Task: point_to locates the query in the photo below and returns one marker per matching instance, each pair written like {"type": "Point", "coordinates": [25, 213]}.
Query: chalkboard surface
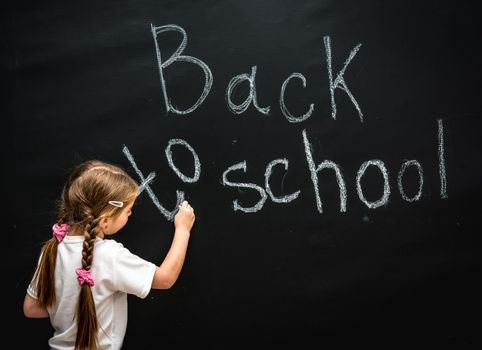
{"type": "Point", "coordinates": [331, 150]}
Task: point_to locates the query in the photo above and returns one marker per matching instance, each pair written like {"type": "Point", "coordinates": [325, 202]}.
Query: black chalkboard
{"type": "Point", "coordinates": [253, 109]}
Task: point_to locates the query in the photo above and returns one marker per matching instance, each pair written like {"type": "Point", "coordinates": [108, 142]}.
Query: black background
{"type": "Point", "coordinates": [82, 80]}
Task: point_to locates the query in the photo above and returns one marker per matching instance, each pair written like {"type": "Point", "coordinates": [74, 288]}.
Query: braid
{"type": "Point", "coordinates": [87, 323]}
{"type": "Point", "coordinates": [90, 233]}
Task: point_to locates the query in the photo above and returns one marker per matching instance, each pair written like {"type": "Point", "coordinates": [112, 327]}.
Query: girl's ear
{"type": "Point", "coordinates": [103, 224]}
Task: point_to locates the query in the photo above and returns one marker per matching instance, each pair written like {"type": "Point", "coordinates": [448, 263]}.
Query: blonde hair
{"type": "Point", "coordinates": [83, 203]}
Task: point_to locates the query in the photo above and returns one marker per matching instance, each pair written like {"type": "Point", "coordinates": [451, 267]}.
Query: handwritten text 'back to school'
{"type": "Point", "coordinates": [335, 81]}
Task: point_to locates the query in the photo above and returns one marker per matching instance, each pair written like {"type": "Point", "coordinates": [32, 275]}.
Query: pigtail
{"type": "Point", "coordinates": [87, 322]}
{"type": "Point", "coordinates": [45, 274]}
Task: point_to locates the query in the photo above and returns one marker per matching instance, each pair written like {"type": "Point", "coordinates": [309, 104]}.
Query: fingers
{"type": "Point", "coordinates": [185, 216]}
{"type": "Point", "coordinates": [185, 205]}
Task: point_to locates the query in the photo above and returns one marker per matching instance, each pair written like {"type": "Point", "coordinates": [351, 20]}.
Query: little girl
{"type": "Point", "coordinates": [82, 280]}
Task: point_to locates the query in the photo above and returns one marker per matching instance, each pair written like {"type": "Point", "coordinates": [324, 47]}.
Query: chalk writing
{"type": "Point", "coordinates": [243, 166]}
{"type": "Point", "coordinates": [176, 56]}
{"type": "Point", "coordinates": [386, 186]}
{"type": "Point", "coordinates": [339, 82]}
{"type": "Point", "coordinates": [284, 110]}
{"type": "Point", "coordinates": [234, 82]}
{"type": "Point", "coordinates": [404, 167]}
{"type": "Point", "coordinates": [326, 164]}
{"type": "Point", "coordinates": [441, 159]}
{"type": "Point", "coordinates": [314, 170]}
{"type": "Point", "coordinates": [145, 186]}
{"type": "Point", "coordinates": [197, 164]}
{"type": "Point", "coordinates": [334, 84]}
{"type": "Point", "coordinates": [267, 175]}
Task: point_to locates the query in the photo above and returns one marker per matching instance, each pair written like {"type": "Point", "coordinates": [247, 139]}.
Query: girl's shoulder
{"type": "Point", "coordinates": [109, 244]}
{"type": "Point", "coordinates": [113, 252]}
{"type": "Point", "coordinates": [108, 251]}
{"type": "Point", "coordinates": [111, 247]}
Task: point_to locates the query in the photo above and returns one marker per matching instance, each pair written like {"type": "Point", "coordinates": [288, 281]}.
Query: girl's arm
{"type": "Point", "coordinates": [32, 308]}
{"type": "Point", "coordinates": [168, 271]}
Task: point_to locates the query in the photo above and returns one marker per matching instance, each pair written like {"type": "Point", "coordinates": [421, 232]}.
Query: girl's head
{"type": "Point", "coordinates": [96, 200]}
{"type": "Point", "coordinates": [95, 195]}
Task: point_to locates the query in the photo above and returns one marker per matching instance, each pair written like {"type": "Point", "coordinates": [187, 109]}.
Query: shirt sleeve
{"type": "Point", "coordinates": [32, 287]}
{"type": "Point", "coordinates": [132, 274]}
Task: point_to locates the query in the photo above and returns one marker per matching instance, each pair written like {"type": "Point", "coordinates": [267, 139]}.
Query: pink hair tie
{"type": "Point", "coordinates": [84, 276]}
{"type": "Point", "coordinates": [59, 231]}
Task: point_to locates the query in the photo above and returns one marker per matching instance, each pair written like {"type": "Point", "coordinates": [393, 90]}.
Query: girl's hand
{"type": "Point", "coordinates": [185, 217]}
